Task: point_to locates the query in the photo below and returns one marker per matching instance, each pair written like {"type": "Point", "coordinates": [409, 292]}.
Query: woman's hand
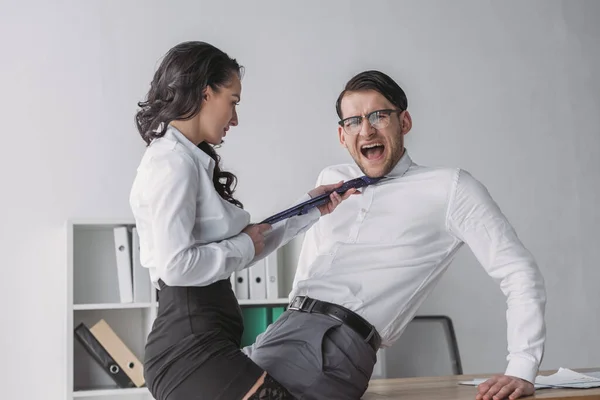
{"type": "Point", "coordinates": [335, 198]}
{"type": "Point", "coordinates": [257, 234]}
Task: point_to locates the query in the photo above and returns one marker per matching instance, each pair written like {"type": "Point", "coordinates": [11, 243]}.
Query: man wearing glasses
{"type": "Point", "coordinates": [364, 270]}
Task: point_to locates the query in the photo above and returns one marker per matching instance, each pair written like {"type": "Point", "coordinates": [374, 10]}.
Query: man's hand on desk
{"type": "Point", "coordinates": [504, 387]}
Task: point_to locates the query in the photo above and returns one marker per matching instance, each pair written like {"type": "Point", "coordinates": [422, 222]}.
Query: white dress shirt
{"type": "Point", "coordinates": [380, 253]}
{"type": "Point", "coordinates": [189, 235]}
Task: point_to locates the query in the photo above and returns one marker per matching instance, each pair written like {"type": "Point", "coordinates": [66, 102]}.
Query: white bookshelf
{"type": "Point", "coordinates": [93, 294]}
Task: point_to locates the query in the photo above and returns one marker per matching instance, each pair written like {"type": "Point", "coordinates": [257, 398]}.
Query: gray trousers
{"type": "Point", "coordinates": [315, 357]}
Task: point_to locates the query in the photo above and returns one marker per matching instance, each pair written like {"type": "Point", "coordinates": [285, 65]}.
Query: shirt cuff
{"type": "Point", "coordinates": [308, 219]}
{"type": "Point", "coordinates": [305, 197]}
{"type": "Point", "coordinates": [313, 214]}
{"type": "Point", "coordinates": [243, 242]}
{"type": "Point", "coordinates": [522, 368]}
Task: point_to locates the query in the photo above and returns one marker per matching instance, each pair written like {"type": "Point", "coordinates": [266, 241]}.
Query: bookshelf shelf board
{"type": "Point", "coordinates": [281, 301]}
{"type": "Point", "coordinates": [110, 306]}
{"type": "Point", "coordinates": [109, 392]}
{"type": "Point", "coordinates": [262, 302]}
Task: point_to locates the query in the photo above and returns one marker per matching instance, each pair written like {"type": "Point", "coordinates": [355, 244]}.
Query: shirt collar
{"type": "Point", "coordinates": [205, 160]}
{"type": "Point", "coordinates": [401, 167]}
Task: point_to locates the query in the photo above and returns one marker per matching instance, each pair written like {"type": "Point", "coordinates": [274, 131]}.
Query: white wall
{"type": "Point", "coordinates": [507, 90]}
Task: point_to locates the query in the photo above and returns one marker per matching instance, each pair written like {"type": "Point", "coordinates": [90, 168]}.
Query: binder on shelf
{"type": "Point", "coordinates": [257, 320]}
{"type": "Point", "coordinates": [241, 284]}
{"type": "Point", "coordinates": [257, 281]}
{"type": "Point", "coordinates": [119, 352]}
{"type": "Point", "coordinates": [141, 277]}
{"type": "Point", "coordinates": [272, 275]}
{"type": "Point", "coordinates": [102, 357]}
{"type": "Point", "coordinates": [123, 258]}
{"type": "Point", "coordinates": [232, 280]}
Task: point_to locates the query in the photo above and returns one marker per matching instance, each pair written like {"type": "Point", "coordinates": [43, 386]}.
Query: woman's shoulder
{"type": "Point", "coordinates": [166, 156]}
{"type": "Point", "coordinates": [164, 149]}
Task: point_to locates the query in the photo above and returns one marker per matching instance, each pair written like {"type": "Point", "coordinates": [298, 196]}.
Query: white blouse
{"type": "Point", "coordinates": [189, 235]}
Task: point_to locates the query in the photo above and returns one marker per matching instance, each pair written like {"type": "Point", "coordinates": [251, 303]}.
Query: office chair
{"type": "Point", "coordinates": [427, 347]}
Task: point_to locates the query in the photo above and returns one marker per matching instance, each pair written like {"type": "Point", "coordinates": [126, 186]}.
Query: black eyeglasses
{"type": "Point", "coordinates": [378, 119]}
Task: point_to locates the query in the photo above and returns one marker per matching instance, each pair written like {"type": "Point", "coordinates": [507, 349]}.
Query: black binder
{"type": "Point", "coordinates": [99, 353]}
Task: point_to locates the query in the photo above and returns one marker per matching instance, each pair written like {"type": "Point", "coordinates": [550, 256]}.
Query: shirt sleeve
{"type": "Point", "coordinates": [172, 195]}
{"type": "Point", "coordinates": [475, 219]}
{"type": "Point", "coordinates": [309, 250]}
{"type": "Point", "coordinates": [284, 231]}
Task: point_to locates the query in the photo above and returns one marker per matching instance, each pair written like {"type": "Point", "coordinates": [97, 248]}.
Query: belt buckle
{"type": "Point", "coordinates": [298, 307]}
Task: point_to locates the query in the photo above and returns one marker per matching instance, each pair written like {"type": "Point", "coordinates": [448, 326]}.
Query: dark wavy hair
{"type": "Point", "coordinates": [176, 93]}
{"type": "Point", "coordinates": [378, 81]}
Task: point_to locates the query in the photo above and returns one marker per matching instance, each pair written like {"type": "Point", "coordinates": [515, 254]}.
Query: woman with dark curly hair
{"type": "Point", "coordinates": [194, 234]}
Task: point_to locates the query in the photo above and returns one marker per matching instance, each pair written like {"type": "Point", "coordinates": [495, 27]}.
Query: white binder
{"type": "Point", "coordinates": [123, 258]}
{"type": "Point", "coordinates": [241, 284]}
{"type": "Point", "coordinates": [141, 277]}
{"type": "Point", "coordinates": [272, 275]}
{"type": "Point", "coordinates": [232, 280]}
{"type": "Point", "coordinates": [257, 281]}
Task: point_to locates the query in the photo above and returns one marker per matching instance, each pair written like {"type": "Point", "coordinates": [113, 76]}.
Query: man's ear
{"type": "Point", "coordinates": [341, 136]}
{"type": "Point", "coordinates": [406, 122]}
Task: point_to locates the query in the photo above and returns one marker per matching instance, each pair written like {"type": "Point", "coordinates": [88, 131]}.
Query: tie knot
{"type": "Point", "coordinates": [359, 182]}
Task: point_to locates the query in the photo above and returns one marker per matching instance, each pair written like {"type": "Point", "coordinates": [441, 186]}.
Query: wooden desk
{"type": "Point", "coordinates": [447, 388]}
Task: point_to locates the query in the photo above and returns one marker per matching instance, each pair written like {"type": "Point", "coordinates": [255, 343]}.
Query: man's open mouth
{"type": "Point", "coordinates": [372, 151]}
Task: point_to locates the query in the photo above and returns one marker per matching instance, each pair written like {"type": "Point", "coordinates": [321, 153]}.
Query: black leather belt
{"type": "Point", "coordinates": [348, 317]}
